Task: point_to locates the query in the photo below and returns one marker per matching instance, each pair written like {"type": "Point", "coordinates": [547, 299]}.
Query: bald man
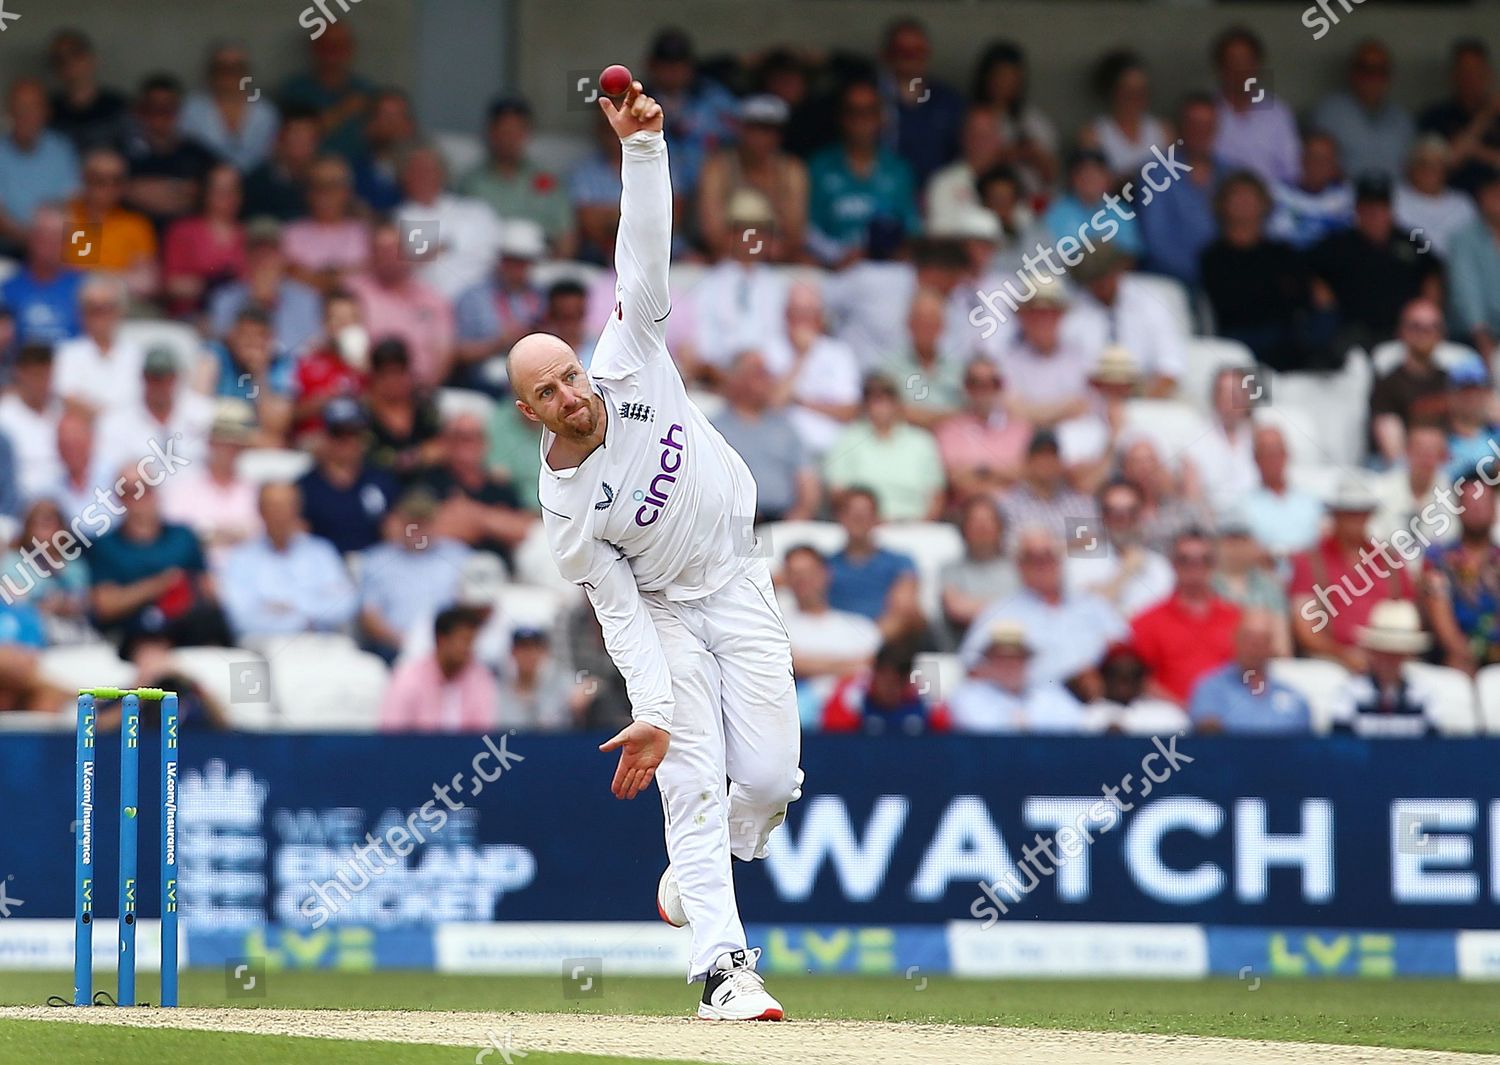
{"type": "Point", "coordinates": [648, 508]}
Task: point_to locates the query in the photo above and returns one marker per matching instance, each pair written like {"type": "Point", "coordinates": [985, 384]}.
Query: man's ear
{"type": "Point", "coordinates": [525, 409]}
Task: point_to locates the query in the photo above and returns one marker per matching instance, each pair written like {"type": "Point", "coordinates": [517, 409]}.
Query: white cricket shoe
{"type": "Point", "coordinates": [669, 900]}
{"type": "Point", "coordinates": [735, 991]}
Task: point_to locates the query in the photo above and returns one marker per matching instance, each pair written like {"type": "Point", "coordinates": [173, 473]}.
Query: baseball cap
{"type": "Point", "coordinates": [1372, 187]}
{"type": "Point", "coordinates": [672, 46]}
{"type": "Point", "coordinates": [751, 206]}
{"type": "Point", "coordinates": [343, 412]}
{"type": "Point", "coordinates": [1009, 635]}
{"type": "Point", "coordinates": [160, 362]}
{"type": "Point", "coordinates": [1470, 373]}
{"type": "Point", "coordinates": [528, 634]}
{"type": "Point", "coordinates": [1043, 440]}
{"type": "Point", "coordinates": [234, 421]}
{"type": "Point", "coordinates": [969, 222]}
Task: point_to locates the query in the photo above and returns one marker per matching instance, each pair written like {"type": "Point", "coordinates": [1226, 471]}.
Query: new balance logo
{"type": "Point", "coordinates": [636, 412]}
{"type": "Point", "coordinates": [609, 497]}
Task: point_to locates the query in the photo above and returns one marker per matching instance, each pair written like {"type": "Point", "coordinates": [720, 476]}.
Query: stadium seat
{"type": "Point", "coordinates": [1169, 292]}
{"type": "Point", "coordinates": [827, 536]}
{"type": "Point", "coordinates": [1172, 425]}
{"type": "Point", "coordinates": [936, 675]}
{"type": "Point", "coordinates": [1487, 685]}
{"type": "Point", "coordinates": [1205, 355]}
{"type": "Point", "coordinates": [1453, 706]}
{"type": "Point", "coordinates": [685, 276]}
{"type": "Point", "coordinates": [1316, 479]}
{"type": "Point", "coordinates": [183, 341]}
{"type": "Point", "coordinates": [532, 563]}
{"type": "Point", "coordinates": [929, 544]}
{"type": "Point", "coordinates": [1386, 357]}
{"type": "Point", "coordinates": [451, 402]}
{"type": "Point", "coordinates": [710, 403]}
{"type": "Point", "coordinates": [327, 687]}
{"type": "Point", "coordinates": [7, 268]}
{"type": "Point", "coordinates": [87, 665]}
{"type": "Point", "coordinates": [271, 465]}
{"type": "Point", "coordinates": [461, 152]}
{"type": "Point", "coordinates": [549, 272]}
{"type": "Point", "coordinates": [531, 606]}
{"type": "Point", "coordinates": [238, 679]}
{"type": "Point", "coordinates": [1317, 680]}
{"type": "Point", "coordinates": [37, 721]}
{"type": "Point", "coordinates": [1300, 428]}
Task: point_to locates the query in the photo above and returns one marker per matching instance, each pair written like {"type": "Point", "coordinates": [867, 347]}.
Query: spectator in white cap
{"type": "Point", "coordinates": [757, 162]}
{"type": "Point", "coordinates": [1384, 701]}
{"type": "Point", "coordinates": [1337, 583]}
{"type": "Point", "coordinates": [492, 315]}
{"type": "Point", "coordinates": [1089, 441]}
{"type": "Point", "coordinates": [1000, 696]}
{"type": "Point", "coordinates": [1114, 308]}
{"type": "Point", "coordinates": [741, 300]}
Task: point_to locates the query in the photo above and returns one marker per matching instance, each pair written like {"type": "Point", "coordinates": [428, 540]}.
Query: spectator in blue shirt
{"type": "Point", "coordinates": [699, 111]}
{"type": "Point", "coordinates": [43, 295]}
{"type": "Point", "coordinates": [858, 186]}
{"type": "Point", "coordinates": [287, 581]}
{"type": "Point", "coordinates": [1179, 222]}
{"type": "Point", "coordinates": [498, 311]}
{"type": "Point", "coordinates": [37, 166]}
{"type": "Point", "coordinates": [1241, 697]}
{"type": "Point", "coordinates": [149, 574]}
{"type": "Point", "coordinates": [869, 580]}
{"type": "Point", "coordinates": [1474, 270]}
{"type": "Point", "coordinates": [332, 89]}
{"type": "Point", "coordinates": [409, 577]}
{"type": "Point", "coordinates": [924, 115]}
{"type": "Point", "coordinates": [1082, 212]}
{"type": "Point", "coordinates": [344, 498]}
{"type": "Point", "coordinates": [295, 309]}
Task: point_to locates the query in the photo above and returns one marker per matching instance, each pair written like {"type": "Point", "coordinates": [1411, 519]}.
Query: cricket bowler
{"type": "Point", "coordinates": [647, 507]}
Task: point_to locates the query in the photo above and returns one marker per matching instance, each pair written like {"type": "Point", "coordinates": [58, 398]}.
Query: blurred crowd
{"type": "Point", "coordinates": [853, 235]}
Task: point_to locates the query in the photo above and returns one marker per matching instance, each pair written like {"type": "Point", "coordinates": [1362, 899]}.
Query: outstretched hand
{"type": "Point", "coordinates": [644, 746]}
{"type": "Point", "coordinates": [637, 112]}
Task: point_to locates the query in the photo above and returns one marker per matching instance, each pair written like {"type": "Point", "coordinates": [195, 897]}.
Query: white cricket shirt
{"type": "Point", "coordinates": [664, 504]}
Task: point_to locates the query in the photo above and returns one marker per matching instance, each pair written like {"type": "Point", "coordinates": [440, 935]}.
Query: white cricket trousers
{"type": "Point", "coordinates": [736, 718]}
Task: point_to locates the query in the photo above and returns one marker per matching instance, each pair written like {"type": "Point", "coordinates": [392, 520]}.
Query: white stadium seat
{"type": "Point", "coordinates": [273, 465]}
{"type": "Point", "coordinates": [549, 272]}
{"type": "Point", "coordinates": [531, 606]}
{"type": "Point", "coordinates": [326, 686]}
{"type": "Point", "coordinates": [461, 152]}
{"type": "Point", "coordinates": [1487, 684]}
{"type": "Point", "coordinates": [236, 678]}
{"type": "Point", "coordinates": [1316, 680]}
{"type": "Point", "coordinates": [936, 675]}
{"type": "Point", "coordinates": [533, 564]}
{"type": "Point", "coordinates": [38, 721]}
{"type": "Point", "coordinates": [1386, 357]}
{"type": "Point", "coordinates": [931, 545]}
{"type": "Point", "coordinates": [827, 536]}
{"type": "Point", "coordinates": [1173, 426]}
{"type": "Point", "coordinates": [1171, 294]}
{"type": "Point", "coordinates": [183, 340]}
{"type": "Point", "coordinates": [87, 665]}
{"type": "Point", "coordinates": [1205, 355]}
{"type": "Point", "coordinates": [1453, 704]}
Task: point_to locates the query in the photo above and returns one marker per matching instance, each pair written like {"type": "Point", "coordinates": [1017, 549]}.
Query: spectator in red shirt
{"type": "Point", "coordinates": [337, 366]}
{"type": "Point", "coordinates": [885, 701]}
{"type": "Point", "coordinates": [1191, 632]}
{"type": "Point", "coordinates": [1336, 584]}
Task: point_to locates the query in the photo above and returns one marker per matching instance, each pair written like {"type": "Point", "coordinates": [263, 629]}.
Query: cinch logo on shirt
{"type": "Point", "coordinates": [661, 484]}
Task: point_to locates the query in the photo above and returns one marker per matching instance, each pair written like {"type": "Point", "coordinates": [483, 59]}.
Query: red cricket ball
{"type": "Point", "coordinates": [615, 79]}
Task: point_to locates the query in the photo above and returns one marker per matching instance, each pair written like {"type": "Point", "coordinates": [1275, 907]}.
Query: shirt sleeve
{"type": "Point", "coordinates": [636, 332]}
{"type": "Point", "coordinates": [630, 635]}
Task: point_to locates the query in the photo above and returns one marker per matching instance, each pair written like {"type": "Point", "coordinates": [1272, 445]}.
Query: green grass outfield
{"type": "Point", "coordinates": [1413, 1014]}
